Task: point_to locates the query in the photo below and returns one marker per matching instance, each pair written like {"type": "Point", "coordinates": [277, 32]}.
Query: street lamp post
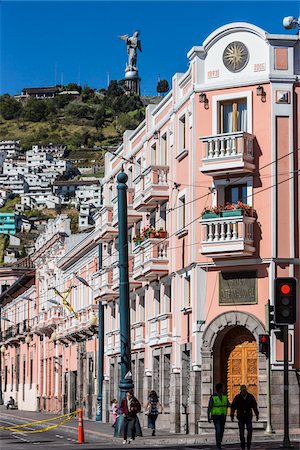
{"type": "Point", "coordinates": [125, 350]}
{"type": "Point", "coordinates": [100, 342]}
{"type": "Point", "coordinates": [1, 394]}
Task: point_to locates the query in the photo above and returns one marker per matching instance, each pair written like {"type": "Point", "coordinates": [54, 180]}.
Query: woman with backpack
{"type": "Point", "coordinates": [152, 406]}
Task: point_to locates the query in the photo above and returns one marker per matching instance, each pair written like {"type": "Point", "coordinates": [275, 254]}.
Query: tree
{"type": "Point", "coordinates": [10, 108]}
{"type": "Point", "coordinates": [162, 87]}
{"type": "Point", "coordinates": [79, 110]}
{"type": "Point", "coordinates": [35, 110]}
{"type": "Point", "coordinates": [73, 87]}
{"type": "Point", "coordinates": [99, 118]}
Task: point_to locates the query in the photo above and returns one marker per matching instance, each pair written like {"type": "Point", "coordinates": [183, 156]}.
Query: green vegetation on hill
{"type": "Point", "coordinates": [10, 204]}
{"type": "Point", "coordinates": [3, 245]}
{"type": "Point", "coordinates": [94, 118]}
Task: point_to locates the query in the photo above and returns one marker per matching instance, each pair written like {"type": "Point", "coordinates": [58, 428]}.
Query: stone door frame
{"type": "Point", "coordinates": [218, 324]}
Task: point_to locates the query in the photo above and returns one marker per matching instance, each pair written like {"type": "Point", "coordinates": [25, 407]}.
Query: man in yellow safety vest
{"type": "Point", "coordinates": [217, 411]}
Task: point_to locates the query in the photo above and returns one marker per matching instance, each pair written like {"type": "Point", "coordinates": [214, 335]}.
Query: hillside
{"type": "Point", "coordinates": [91, 119]}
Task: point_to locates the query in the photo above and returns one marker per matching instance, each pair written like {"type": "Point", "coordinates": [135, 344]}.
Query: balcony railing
{"type": "Point", "coordinates": [228, 236]}
{"type": "Point", "coordinates": [228, 153]}
{"type": "Point", "coordinates": [151, 259]}
{"type": "Point", "coordinates": [151, 188]}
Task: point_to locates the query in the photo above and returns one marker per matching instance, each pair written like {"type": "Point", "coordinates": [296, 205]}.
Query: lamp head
{"type": "Point", "coordinates": [290, 22]}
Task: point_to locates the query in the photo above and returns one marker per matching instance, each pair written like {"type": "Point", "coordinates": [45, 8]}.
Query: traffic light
{"type": "Point", "coordinates": [264, 344]}
{"type": "Point", "coordinates": [285, 301]}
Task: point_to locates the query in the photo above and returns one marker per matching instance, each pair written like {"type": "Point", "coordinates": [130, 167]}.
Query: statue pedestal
{"type": "Point", "coordinates": [132, 82]}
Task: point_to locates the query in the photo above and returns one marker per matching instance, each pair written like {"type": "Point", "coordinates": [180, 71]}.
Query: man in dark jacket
{"type": "Point", "coordinates": [243, 404]}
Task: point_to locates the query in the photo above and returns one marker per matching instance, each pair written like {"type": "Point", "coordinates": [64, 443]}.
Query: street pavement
{"type": "Point", "coordinates": [100, 436]}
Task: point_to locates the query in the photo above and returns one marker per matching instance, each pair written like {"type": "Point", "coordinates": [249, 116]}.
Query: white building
{"type": "Point", "coordinates": [37, 157]}
{"type": "Point", "coordinates": [12, 147]}
{"type": "Point", "coordinates": [15, 168]}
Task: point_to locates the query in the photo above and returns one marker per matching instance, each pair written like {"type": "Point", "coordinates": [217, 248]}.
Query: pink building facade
{"type": "Point", "coordinates": [201, 269]}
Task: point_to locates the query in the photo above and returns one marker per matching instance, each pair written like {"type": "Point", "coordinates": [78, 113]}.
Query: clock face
{"type": "Point", "coordinates": [235, 56]}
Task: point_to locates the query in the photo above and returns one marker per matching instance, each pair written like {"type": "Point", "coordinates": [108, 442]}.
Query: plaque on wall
{"type": "Point", "coordinates": [238, 288]}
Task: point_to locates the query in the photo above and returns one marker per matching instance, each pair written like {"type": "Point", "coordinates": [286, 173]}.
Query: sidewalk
{"type": "Point", "coordinates": [103, 432]}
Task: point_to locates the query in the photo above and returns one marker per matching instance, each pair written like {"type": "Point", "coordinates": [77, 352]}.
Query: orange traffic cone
{"type": "Point", "coordinates": [80, 428]}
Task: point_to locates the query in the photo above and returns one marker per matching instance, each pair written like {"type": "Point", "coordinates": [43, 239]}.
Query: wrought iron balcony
{"type": "Point", "coordinates": [151, 259]}
{"type": "Point", "coordinates": [229, 153]}
{"type": "Point", "coordinates": [151, 188]}
{"type": "Point", "coordinates": [228, 236]}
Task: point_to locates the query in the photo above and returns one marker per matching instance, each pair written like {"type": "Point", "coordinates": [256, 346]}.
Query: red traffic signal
{"type": "Point", "coordinates": [285, 301]}
{"type": "Point", "coordinates": [264, 344]}
{"type": "Point", "coordinates": [285, 289]}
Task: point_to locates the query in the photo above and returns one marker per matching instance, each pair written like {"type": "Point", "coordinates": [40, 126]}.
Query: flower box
{"type": "Point", "coordinates": [210, 215]}
{"type": "Point", "coordinates": [232, 212]}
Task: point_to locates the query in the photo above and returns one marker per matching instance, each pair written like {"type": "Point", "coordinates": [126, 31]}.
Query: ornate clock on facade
{"type": "Point", "coordinates": [235, 56]}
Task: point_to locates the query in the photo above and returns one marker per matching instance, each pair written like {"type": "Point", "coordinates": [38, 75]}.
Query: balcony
{"type": "Point", "coordinates": [138, 334]}
{"type": "Point", "coordinates": [228, 236]}
{"type": "Point", "coordinates": [113, 342]}
{"type": "Point", "coordinates": [133, 216]}
{"type": "Point", "coordinates": [151, 188]}
{"type": "Point", "coordinates": [106, 230]}
{"type": "Point", "coordinates": [151, 259]}
{"type": "Point", "coordinates": [160, 329]}
{"type": "Point", "coordinates": [71, 329]}
{"type": "Point", "coordinates": [230, 153]}
{"type": "Point", "coordinates": [46, 321]}
{"type": "Point", "coordinates": [104, 284]}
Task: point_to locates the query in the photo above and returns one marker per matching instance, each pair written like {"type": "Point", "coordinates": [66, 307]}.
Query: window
{"type": "Point", "coordinates": [187, 291]}
{"type": "Point", "coordinates": [157, 303]}
{"type": "Point", "coordinates": [164, 149]}
{"type": "Point", "coordinates": [130, 177]}
{"type": "Point", "coordinates": [153, 154]}
{"type": "Point", "coordinates": [182, 212]}
{"type": "Point", "coordinates": [138, 167]}
{"type": "Point", "coordinates": [31, 370]}
{"type": "Point", "coordinates": [12, 378]}
{"type": "Point", "coordinates": [152, 219]}
{"type": "Point", "coordinates": [167, 298]}
{"type": "Point", "coordinates": [182, 133]}
{"type": "Point", "coordinates": [234, 194]}
{"type": "Point", "coordinates": [133, 310]}
{"type": "Point", "coordinates": [163, 216]}
{"type": "Point", "coordinates": [233, 116]}
{"type": "Point", "coordinates": [141, 308]}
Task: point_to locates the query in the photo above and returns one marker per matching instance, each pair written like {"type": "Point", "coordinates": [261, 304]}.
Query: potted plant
{"type": "Point", "coordinates": [212, 212]}
{"type": "Point", "coordinates": [162, 233]}
{"type": "Point", "coordinates": [137, 240]}
{"type": "Point", "coordinates": [236, 209]}
{"type": "Point", "coordinates": [152, 233]}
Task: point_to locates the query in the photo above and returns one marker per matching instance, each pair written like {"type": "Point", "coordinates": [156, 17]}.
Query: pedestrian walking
{"type": "Point", "coordinates": [217, 411]}
{"type": "Point", "coordinates": [152, 406]}
{"type": "Point", "coordinates": [243, 403]}
{"type": "Point", "coordinates": [129, 408]}
{"type": "Point", "coordinates": [114, 411]}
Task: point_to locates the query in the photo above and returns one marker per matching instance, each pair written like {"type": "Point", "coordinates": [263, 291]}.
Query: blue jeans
{"type": "Point", "coordinates": [219, 423]}
{"type": "Point", "coordinates": [245, 421]}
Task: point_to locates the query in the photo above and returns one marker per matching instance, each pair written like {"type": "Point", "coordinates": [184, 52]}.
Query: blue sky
{"type": "Point", "coordinates": [41, 39]}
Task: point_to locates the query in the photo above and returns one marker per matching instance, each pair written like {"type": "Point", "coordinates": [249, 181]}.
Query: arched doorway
{"type": "Point", "coordinates": [236, 360]}
{"type": "Point", "coordinates": [220, 343]}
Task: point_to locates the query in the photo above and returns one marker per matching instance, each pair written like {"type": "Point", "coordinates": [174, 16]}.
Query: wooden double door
{"type": "Point", "coordinates": [242, 369]}
{"type": "Point", "coordinates": [236, 361]}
